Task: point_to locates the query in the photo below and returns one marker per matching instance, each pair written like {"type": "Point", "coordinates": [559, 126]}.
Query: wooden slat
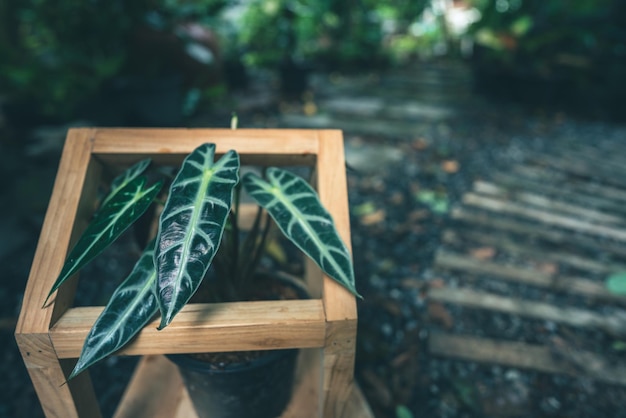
{"type": "Point", "coordinates": [47, 372]}
{"type": "Point", "coordinates": [573, 223]}
{"type": "Point", "coordinates": [270, 147]}
{"type": "Point", "coordinates": [579, 168]}
{"type": "Point", "coordinates": [532, 230]}
{"type": "Point", "coordinates": [307, 386]}
{"type": "Point", "coordinates": [356, 405]}
{"type": "Point", "coordinates": [570, 192]}
{"type": "Point", "coordinates": [594, 159]}
{"type": "Point", "coordinates": [538, 253]}
{"type": "Point", "coordinates": [536, 310]}
{"type": "Point", "coordinates": [558, 189]}
{"type": "Point", "coordinates": [156, 390]}
{"type": "Point", "coordinates": [543, 202]}
{"type": "Point", "coordinates": [333, 191]}
{"type": "Point", "coordinates": [339, 304]}
{"type": "Point", "coordinates": [216, 327]}
{"type": "Point", "coordinates": [494, 270]}
{"type": "Point", "coordinates": [58, 398]}
{"type": "Point", "coordinates": [56, 234]}
{"type": "Point", "coordinates": [527, 356]}
{"type": "Point", "coordinates": [545, 174]}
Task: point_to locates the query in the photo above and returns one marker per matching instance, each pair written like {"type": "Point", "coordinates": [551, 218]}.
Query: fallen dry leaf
{"type": "Point", "coordinates": [483, 253]}
{"type": "Point", "coordinates": [439, 314]}
{"type": "Point", "coordinates": [397, 198]}
{"type": "Point", "coordinates": [391, 306]}
{"type": "Point", "coordinates": [403, 358]}
{"type": "Point", "coordinates": [420, 144]}
{"type": "Point", "coordinates": [412, 283]}
{"type": "Point", "coordinates": [548, 268]}
{"type": "Point", "coordinates": [373, 218]}
{"type": "Point", "coordinates": [450, 166]}
{"type": "Point", "coordinates": [418, 215]}
{"type": "Point", "coordinates": [309, 108]}
{"type": "Point", "coordinates": [437, 284]}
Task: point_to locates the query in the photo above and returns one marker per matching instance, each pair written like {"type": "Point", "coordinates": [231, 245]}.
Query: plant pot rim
{"type": "Point", "coordinates": [188, 362]}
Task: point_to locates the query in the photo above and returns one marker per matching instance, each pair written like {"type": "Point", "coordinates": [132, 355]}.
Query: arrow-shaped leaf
{"type": "Point", "coordinates": [126, 177]}
{"type": "Point", "coordinates": [130, 308]}
{"type": "Point", "coordinates": [191, 226]}
{"type": "Point", "coordinates": [298, 212]}
{"type": "Point", "coordinates": [109, 222]}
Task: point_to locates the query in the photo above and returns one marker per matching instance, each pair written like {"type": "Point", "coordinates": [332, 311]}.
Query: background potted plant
{"type": "Point", "coordinates": [202, 208]}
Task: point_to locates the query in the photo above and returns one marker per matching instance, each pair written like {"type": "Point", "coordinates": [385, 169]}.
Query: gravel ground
{"type": "Point", "coordinates": [401, 189]}
{"type": "Point", "coordinates": [394, 244]}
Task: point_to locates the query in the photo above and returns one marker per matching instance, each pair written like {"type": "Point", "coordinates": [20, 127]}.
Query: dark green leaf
{"type": "Point", "coordinates": [126, 177]}
{"type": "Point", "coordinates": [108, 224]}
{"type": "Point", "coordinates": [298, 212]}
{"type": "Point", "coordinates": [130, 308]}
{"type": "Point", "coordinates": [191, 226]}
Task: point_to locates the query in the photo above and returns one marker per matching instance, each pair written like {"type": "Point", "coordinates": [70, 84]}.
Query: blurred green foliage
{"type": "Point", "coordinates": [546, 31]}
{"type": "Point", "coordinates": [55, 53]}
{"type": "Point", "coordinates": [332, 33]}
{"type": "Point", "coordinates": [578, 45]}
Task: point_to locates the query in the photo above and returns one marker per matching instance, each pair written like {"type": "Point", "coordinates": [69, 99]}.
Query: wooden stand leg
{"type": "Point", "coordinates": [59, 399]}
{"type": "Point", "coordinates": [338, 367]}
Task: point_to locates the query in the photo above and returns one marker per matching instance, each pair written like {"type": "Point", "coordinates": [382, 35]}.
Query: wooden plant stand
{"type": "Point", "coordinates": [50, 338]}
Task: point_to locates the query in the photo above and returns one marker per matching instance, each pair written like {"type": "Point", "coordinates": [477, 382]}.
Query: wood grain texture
{"type": "Point", "coordinates": [55, 234]}
{"type": "Point", "coordinates": [339, 352]}
{"type": "Point", "coordinates": [256, 146]}
{"type": "Point", "coordinates": [48, 374]}
{"type": "Point", "coordinates": [67, 204]}
{"type": "Point", "coordinates": [339, 304]}
{"type": "Point", "coordinates": [155, 391]}
{"type": "Point", "coordinates": [216, 327]}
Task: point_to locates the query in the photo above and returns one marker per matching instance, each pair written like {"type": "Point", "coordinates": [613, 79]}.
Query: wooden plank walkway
{"type": "Point", "coordinates": [554, 224]}
{"type": "Point", "coordinates": [529, 356]}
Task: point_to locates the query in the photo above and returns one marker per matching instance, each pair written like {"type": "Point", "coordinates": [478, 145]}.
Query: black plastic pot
{"type": "Point", "coordinates": [259, 388]}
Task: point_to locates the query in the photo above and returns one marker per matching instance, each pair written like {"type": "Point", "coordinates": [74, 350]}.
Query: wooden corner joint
{"type": "Point", "coordinates": [341, 337]}
{"type": "Point", "coordinates": [37, 350]}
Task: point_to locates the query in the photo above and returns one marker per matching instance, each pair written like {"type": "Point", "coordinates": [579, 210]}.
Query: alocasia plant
{"type": "Point", "coordinates": [201, 208]}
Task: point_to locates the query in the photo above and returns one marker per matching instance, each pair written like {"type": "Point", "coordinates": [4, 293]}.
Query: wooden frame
{"type": "Point", "coordinates": [50, 338]}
